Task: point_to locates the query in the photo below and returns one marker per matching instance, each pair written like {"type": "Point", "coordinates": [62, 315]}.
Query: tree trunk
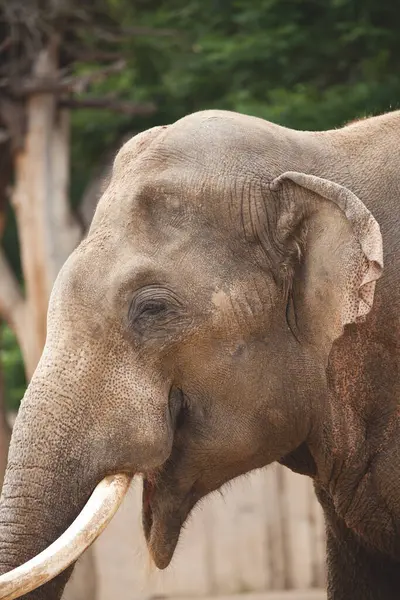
{"type": "Point", "coordinates": [47, 231]}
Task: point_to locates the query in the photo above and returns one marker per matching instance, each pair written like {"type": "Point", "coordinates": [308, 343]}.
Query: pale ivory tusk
{"type": "Point", "coordinates": [91, 521]}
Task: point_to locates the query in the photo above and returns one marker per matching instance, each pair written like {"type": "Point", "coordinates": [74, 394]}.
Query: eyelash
{"type": "Point", "coordinates": [146, 306]}
{"type": "Point", "coordinates": [150, 308]}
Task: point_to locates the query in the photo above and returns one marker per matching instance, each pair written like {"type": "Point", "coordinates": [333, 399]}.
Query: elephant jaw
{"type": "Point", "coordinates": [163, 515]}
{"type": "Point", "coordinates": [92, 520]}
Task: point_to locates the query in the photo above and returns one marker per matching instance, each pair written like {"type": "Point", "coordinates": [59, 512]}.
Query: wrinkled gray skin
{"type": "Point", "coordinates": [197, 333]}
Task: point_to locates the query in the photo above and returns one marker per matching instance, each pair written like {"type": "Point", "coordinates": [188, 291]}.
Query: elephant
{"type": "Point", "coordinates": [227, 309]}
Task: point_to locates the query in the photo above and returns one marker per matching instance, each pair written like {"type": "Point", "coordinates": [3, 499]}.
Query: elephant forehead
{"type": "Point", "coordinates": [154, 205]}
{"type": "Point", "coordinates": [196, 163]}
{"type": "Point", "coordinates": [175, 217]}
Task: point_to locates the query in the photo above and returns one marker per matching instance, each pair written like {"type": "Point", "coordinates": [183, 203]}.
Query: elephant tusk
{"type": "Point", "coordinates": [91, 521]}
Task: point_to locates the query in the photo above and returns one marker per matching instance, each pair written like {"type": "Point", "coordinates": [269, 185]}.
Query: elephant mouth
{"type": "Point", "coordinates": [148, 491]}
{"type": "Point", "coordinates": [163, 515]}
{"type": "Point", "coordinates": [168, 497]}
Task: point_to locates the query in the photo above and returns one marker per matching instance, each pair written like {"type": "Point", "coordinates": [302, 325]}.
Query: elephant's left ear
{"type": "Point", "coordinates": [365, 229]}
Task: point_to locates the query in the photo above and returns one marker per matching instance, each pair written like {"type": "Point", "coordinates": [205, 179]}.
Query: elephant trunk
{"type": "Point", "coordinates": [95, 516]}
{"type": "Point", "coordinates": [48, 480]}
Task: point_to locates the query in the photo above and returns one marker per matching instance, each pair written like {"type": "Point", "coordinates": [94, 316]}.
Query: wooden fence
{"type": "Point", "coordinates": [265, 533]}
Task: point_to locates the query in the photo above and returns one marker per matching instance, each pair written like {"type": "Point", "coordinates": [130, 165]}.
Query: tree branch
{"type": "Point", "coordinates": [106, 103]}
{"type": "Point", "coordinates": [79, 84]}
{"type": "Point", "coordinates": [11, 298]}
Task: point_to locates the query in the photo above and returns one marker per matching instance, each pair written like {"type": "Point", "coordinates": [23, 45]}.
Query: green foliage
{"type": "Point", "coordinates": [308, 64]}
{"type": "Point", "coordinates": [13, 369]}
{"type": "Point", "coordinates": [305, 63]}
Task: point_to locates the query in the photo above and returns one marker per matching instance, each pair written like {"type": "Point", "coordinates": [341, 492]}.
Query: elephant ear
{"type": "Point", "coordinates": [342, 247]}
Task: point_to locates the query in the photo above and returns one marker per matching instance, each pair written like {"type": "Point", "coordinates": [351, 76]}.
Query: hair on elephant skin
{"type": "Point", "coordinates": [236, 302]}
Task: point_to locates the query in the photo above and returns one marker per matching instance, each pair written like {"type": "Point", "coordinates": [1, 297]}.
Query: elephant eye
{"type": "Point", "coordinates": [146, 308]}
{"type": "Point", "coordinates": [151, 307]}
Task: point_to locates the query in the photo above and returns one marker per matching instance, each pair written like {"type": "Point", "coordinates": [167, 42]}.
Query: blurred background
{"type": "Point", "coordinates": [76, 80]}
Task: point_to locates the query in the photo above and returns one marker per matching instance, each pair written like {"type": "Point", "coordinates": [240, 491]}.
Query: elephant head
{"type": "Point", "coordinates": [189, 333]}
